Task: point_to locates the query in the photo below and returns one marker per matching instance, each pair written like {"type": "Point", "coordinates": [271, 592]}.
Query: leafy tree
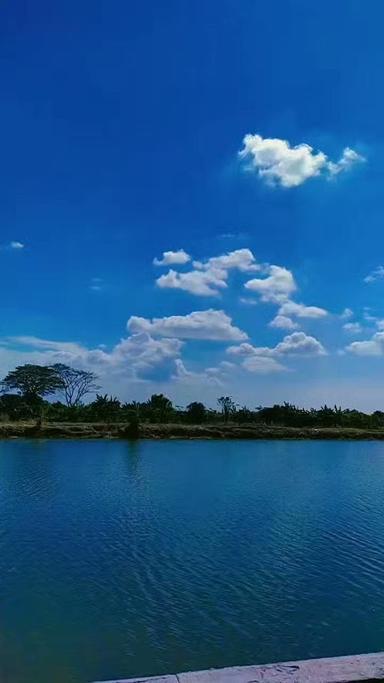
{"type": "Point", "coordinates": [32, 381]}
{"type": "Point", "coordinates": [75, 383]}
{"type": "Point", "coordinates": [104, 408]}
{"type": "Point", "coordinates": [14, 407]}
{"type": "Point", "coordinates": [244, 415]}
{"type": "Point", "coordinates": [196, 413]}
{"type": "Point", "coordinates": [228, 407]}
{"type": "Point", "coordinates": [160, 407]}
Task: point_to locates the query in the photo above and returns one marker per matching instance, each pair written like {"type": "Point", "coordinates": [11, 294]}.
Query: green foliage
{"type": "Point", "coordinates": [160, 408]}
{"type": "Point", "coordinates": [32, 381]}
{"type": "Point", "coordinates": [25, 387]}
{"type": "Point", "coordinates": [104, 408]}
{"type": "Point", "coordinates": [196, 413]}
{"type": "Point", "coordinates": [14, 407]}
{"type": "Point", "coordinates": [227, 405]}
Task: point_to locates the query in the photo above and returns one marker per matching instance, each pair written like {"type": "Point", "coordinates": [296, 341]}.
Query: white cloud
{"type": "Point", "coordinates": [97, 284]}
{"type": "Point", "coordinates": [276, 162]}
{"type": "Point", "coordinates": [376, 274]}
{"type": "Point", "coordinates": [134, 356]}
{"type": "Point", "coordinates": [179, 257]}
{"type": "Point", "coordinates": [353, 328]}
{"type": "Point", "coordinates": [211, 275]}
{"type": "Point", "coordinates": [210, 325]}
{"type": "Point", "coordinates": [196, 282]}
{"type": "Point", "coordinates": [45, 344]}
{"type": "Point", "coordinates": [208, 376]}
{"type": "Point", "coordinates": [369, 347]}
{"type": "Point", "coordinates": [240, 259]}
{"type": "Point", "coordinates": [347, 314]}
{"type": "Point", "coordinates": [247, 349]}
{"type": "Point", "coordinates": [282, 322]}
{"type": "Point", "coordinates": [266, 359]}
{"type": "Point", "coordinates": [12, 246]}
{"type": "Point", "coordinates": [299, 343]}
{"type": "Point", "coordinates": [295, 343]}
{"type": "Point", "coordinates": [146, 353]}
{"type": "Point", "coordinates": [263, 365]}
{"type": "Point", "coordinates": [276, 287]}
{"type": "Point", "coordinates": [226, 365]}
{"type": "Point", "coordinates": [367, 315]}
{"type": "Point", "coordinates": [348, 158]}
{"type": "Point", "coordinates": [301, 311]}
{"type": "Point", "coordinates": [248, 302]}
{"type": "Point", "coordinates": [256, 359]}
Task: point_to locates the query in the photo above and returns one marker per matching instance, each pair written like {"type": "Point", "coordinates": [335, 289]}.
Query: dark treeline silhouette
{"type": "Point", "coordinates": [24, 389]}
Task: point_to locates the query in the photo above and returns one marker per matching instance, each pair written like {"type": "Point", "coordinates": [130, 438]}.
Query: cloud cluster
{"type": "Point", "coordinates": [179, 257]}
{"type": "Point", "coordinates": [208, 277]}
{"type": "Point", "coordinates": [353, 328]}
{"type": "Point", "coordinates": [276, 162]}
{"type": "Point", "coordinates": [265, 359]}
{"type": "Point", "coordinates": [292, 308]}
{"type": "Point", "coordinates": [213, 376]}
{"type": "Point", "coordinates": [276, 287]}
{"type": "Point", "coordinates": [152, 351]}
{"type": "Point", "coordinates": [369, 347]}
{"type": "Point", "coordinates": [209, 325]}
{"type": "Point", "coordinates": [134, 356]}
{"type": "Point", "coordinates": [200, 283]}
{"type": "Point", "coordinates": [347, 314]}
{"type": "Point", "coordinates": [374, 275]}
{"type": "Point", "coordinates": [282, 322]}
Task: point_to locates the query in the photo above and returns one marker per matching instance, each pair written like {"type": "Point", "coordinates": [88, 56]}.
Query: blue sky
{"type": "Point", "coordinates": [123, 131]}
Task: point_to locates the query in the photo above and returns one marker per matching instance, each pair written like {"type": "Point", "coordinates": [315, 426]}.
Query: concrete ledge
{"type": "Point", "coordinates": [350, 669]}
{"type": "Point", "coordinates": [153, 679]}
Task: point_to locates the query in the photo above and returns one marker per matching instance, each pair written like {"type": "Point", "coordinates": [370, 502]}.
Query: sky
{"type": "Point", "coordinates": [192, 197]}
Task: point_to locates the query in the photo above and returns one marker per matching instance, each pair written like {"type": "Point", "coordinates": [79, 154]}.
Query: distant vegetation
{"type": "Point", "coordinates": [24, 391]}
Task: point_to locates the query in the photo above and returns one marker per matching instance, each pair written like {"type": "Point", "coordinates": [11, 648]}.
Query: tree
{"type": "Point", "coordinates": [14, 407]}
{"type": "Point", "coordinates": [104, 408]}
{"type": "Point", "coordinates": [76, 383]}
{"type": "Point", "coordinates": [244, 415]}
{"type": "Point", "coordinates": [196, 412]}
{"type": "Point", "coordinates": [227, 405]}
{"type": "Point", "coordinates": [160, 407]}
{"type": "Point", "coordinates": [32, 381]}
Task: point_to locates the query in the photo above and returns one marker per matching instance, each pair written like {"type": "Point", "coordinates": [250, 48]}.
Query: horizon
{"type": "Point", "coordinates": [188, 210]}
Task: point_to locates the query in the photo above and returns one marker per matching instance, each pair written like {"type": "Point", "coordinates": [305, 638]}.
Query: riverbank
{"type": "Point", "coordinates": [52, 430]}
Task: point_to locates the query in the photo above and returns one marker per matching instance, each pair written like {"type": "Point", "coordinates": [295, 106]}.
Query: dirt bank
{"type": "Point", "coordinates": [178, 431]}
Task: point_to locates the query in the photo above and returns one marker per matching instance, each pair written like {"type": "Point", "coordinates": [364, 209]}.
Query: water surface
{"type": "Point", "coordinates": [119, 560]}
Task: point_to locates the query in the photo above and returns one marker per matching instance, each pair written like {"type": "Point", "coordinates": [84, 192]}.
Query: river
{"type": "Point", "coordinates": [121, 559]}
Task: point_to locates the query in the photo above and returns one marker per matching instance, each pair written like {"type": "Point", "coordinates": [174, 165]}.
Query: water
{"type": "Point", "coordinates": [119, 560]}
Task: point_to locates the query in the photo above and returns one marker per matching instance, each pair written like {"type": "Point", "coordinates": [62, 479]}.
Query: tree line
{"type": "Point", "coordinates": [25, 389]}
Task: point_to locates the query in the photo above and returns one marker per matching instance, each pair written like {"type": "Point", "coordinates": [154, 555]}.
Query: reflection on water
{"type": "Point", "coordinates": [119, 559]}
